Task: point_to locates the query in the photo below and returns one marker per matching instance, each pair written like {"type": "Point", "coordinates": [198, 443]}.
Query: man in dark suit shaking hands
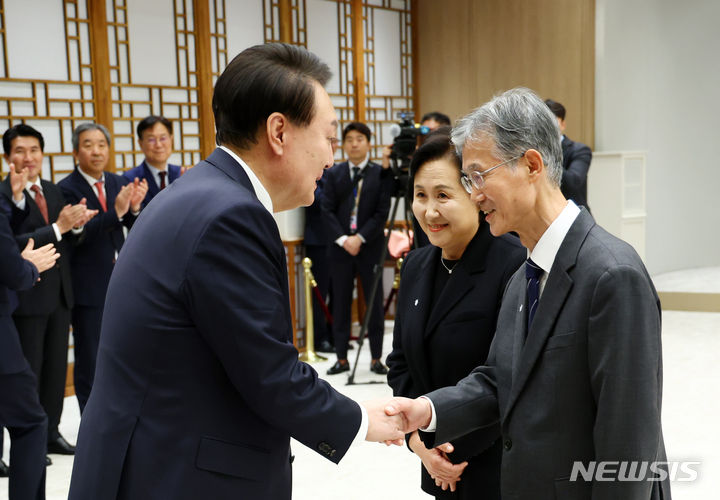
{"type": "Point", "coordinates": [198, 386]}
{"type": "Point", "coordinates": [574, 373]}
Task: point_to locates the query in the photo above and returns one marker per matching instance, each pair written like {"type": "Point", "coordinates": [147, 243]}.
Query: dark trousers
{"type": "Point", "coordinates": [343, 268]}
{"type": "Point", "coordinates": [86, 322]}
{"type": "Point", "coordinates": [44, 341]}
{"type": "Point", "coordinates": [321, 272]}
{"type": "Point", "coordinates": [25, 420]}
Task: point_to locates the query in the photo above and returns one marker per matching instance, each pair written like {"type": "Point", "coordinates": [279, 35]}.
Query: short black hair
{"type": "Point", "coordinates": [21, 130]}
{"type": "Point", "coordinates": [150, 121]}
{"type": "Point", "coordinates": [437, 145]}
{"type": "Point", "coordinates": [261, 80]}
{"type": "Point", "coordinates": [439, 117]}
{"type": "Point", "coordinates": [357, 127]}
{"type": "Point", "coordinates": [557, 108]}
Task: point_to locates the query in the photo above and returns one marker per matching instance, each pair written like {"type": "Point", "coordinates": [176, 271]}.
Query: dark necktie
{"type": "Point", "coordinates": [162, 179]}
{"type": "Point", "coordinates": [353, 210]}
{"type": "Point", "coordinates": [40, 202]}
{"type": "Point", "coordinates": [533, 272]}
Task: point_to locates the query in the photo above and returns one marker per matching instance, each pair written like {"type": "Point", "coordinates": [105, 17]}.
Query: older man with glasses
{"type": "Point", "coordinates": [574, 373]}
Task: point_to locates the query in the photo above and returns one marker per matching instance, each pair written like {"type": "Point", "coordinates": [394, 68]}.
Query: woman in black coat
{"type": "Point", "coordinates": [449, 298]}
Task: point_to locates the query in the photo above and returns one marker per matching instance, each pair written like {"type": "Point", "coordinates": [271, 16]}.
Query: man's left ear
{"type": "Point", "coordinates": [276, 128]}
{"type": "Point", "coordinates": [534, 162]}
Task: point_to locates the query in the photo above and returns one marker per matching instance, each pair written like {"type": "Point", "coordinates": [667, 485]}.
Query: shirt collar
{"type": "Point", "coordinates": [90, 179]}
{"type": "Point", "coordinates": [547, 247]}
{"type": "Point", "coordinates": [262, 195]}
{"type": "Point", "coordinates": [155, 171]}
{"type": "Point", "coordinates": [362, 164]}
{"type": "Point", "coordinates": [29, 184]}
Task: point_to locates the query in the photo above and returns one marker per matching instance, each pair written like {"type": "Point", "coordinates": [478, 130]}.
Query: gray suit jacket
{"type": "Point", "coordinates": [585, 386]}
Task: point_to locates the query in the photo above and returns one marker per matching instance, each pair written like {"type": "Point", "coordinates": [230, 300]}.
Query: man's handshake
{"type": "Point", "coordinates": [391, 419]}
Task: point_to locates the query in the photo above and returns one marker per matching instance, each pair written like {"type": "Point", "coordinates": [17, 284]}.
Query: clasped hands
{"type": "Point", "coordinates": [391, 419]}
{"type": "Point", "coordinates": [352, 244]}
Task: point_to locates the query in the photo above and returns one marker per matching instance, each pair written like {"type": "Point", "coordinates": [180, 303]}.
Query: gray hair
{"type": "Point", "coordinates": [84, 127]}
{"type": "Point", "coordinates": [516, 120]}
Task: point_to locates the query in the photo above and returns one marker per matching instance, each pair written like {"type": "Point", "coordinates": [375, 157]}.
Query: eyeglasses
{"type": "Point", "coordinates": [163, 139]}
{"type": "Point", "coordinates": [476, 178]}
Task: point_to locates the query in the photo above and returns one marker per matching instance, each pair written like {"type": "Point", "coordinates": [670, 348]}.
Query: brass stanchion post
{"type": "Point", "coordinates": [396, 280]}
{"type": "Point", "coordinates": [309, 356]}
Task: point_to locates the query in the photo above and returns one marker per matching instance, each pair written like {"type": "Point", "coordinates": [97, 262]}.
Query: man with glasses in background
{"type": "Point", "coordinates": [155, 136]}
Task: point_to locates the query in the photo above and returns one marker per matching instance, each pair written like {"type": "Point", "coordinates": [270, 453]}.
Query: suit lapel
{"type": "Point", "coordinates": [88, 192]}
{"type": "Point", "coordinates": [111, 189]}
{"type": "Point", "coordinates": [557, 288]}
{"type": "Point", "coordinates": [516, 297]}
{"type": "Point", "coordinates": [54, 203]}
{"type": "Point", "coordinates": [369, 180]}
{"type": "Point", "coordinates": [417, 310]}
{"type": "Point", "coordinates": [344, 183]}
{"type": "Point", "coordinates": [173, 173]}
{"type": "Point", "coordinates": [461, 280]}
{"type": "Point", "coordinates": [34, 215]}
{"type": "Point", "coordinates": [153, 188]}
{"type": "Point", "coordinates": [221, 160]}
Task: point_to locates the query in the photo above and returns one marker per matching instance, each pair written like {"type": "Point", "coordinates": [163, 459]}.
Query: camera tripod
{"type": "Point", "coordinates": [377, 274]}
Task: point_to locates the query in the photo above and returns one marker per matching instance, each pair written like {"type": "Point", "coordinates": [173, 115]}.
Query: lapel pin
{"type": "Point", "coordinates": [416, 302]}
{"type": "Point", "coordinates": [520, 310]}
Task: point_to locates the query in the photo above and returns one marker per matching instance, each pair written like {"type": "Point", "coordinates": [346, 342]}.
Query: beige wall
{"type": "Point", "coordinates": [469, 50]}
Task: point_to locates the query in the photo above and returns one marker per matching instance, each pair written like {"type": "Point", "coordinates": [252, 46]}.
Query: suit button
{"type": "Point", "coordinates": [507, 444]}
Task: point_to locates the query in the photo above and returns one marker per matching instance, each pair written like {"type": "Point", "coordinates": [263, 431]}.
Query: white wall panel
{"type": "Point", "coordinates": [152, 42]}
{"type": "Point", "coordinates": [244, 25]}
{"type": "Point", "coordinates": [322, 37]}
{"type": "Point", "coordinates": [387, 52]}
{"type": "Point", "coordinates": [35, 39]}
{"type": "Point", "coordinates": [656, 87]}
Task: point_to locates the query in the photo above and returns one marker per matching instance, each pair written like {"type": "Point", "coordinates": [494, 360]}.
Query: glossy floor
{"type": "Point", "coordinates": [691, 409]}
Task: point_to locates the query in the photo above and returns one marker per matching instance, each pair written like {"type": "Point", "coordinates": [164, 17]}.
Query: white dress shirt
{"type": "Point", "coordinates": [549, 243]}
{"type": "Point", "coordinates": [262, 194]}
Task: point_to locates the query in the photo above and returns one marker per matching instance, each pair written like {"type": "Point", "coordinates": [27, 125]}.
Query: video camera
{"type": "Point", "coordinates": [405, 135]}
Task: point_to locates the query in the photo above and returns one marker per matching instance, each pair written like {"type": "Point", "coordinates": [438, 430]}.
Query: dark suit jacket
{"type": "Point", "coordinates": [198, 387]}
{"type": "Point", "coordinates": [587, 383]}
{"type": "Point", "coordinates": [372, 210]}
{"type": "Point", "coordinates": [55, 284]}
{"type": "Point", "coordinates": [576, 164]}
{"type": "Point", "coordinates": [93, 259]}
{"type": "Point", "coordinates": [143, 172]}
{"type": "Point", "coordinates": [461, 326]}
{"type": "Point", "coordinates": [16, 273]}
